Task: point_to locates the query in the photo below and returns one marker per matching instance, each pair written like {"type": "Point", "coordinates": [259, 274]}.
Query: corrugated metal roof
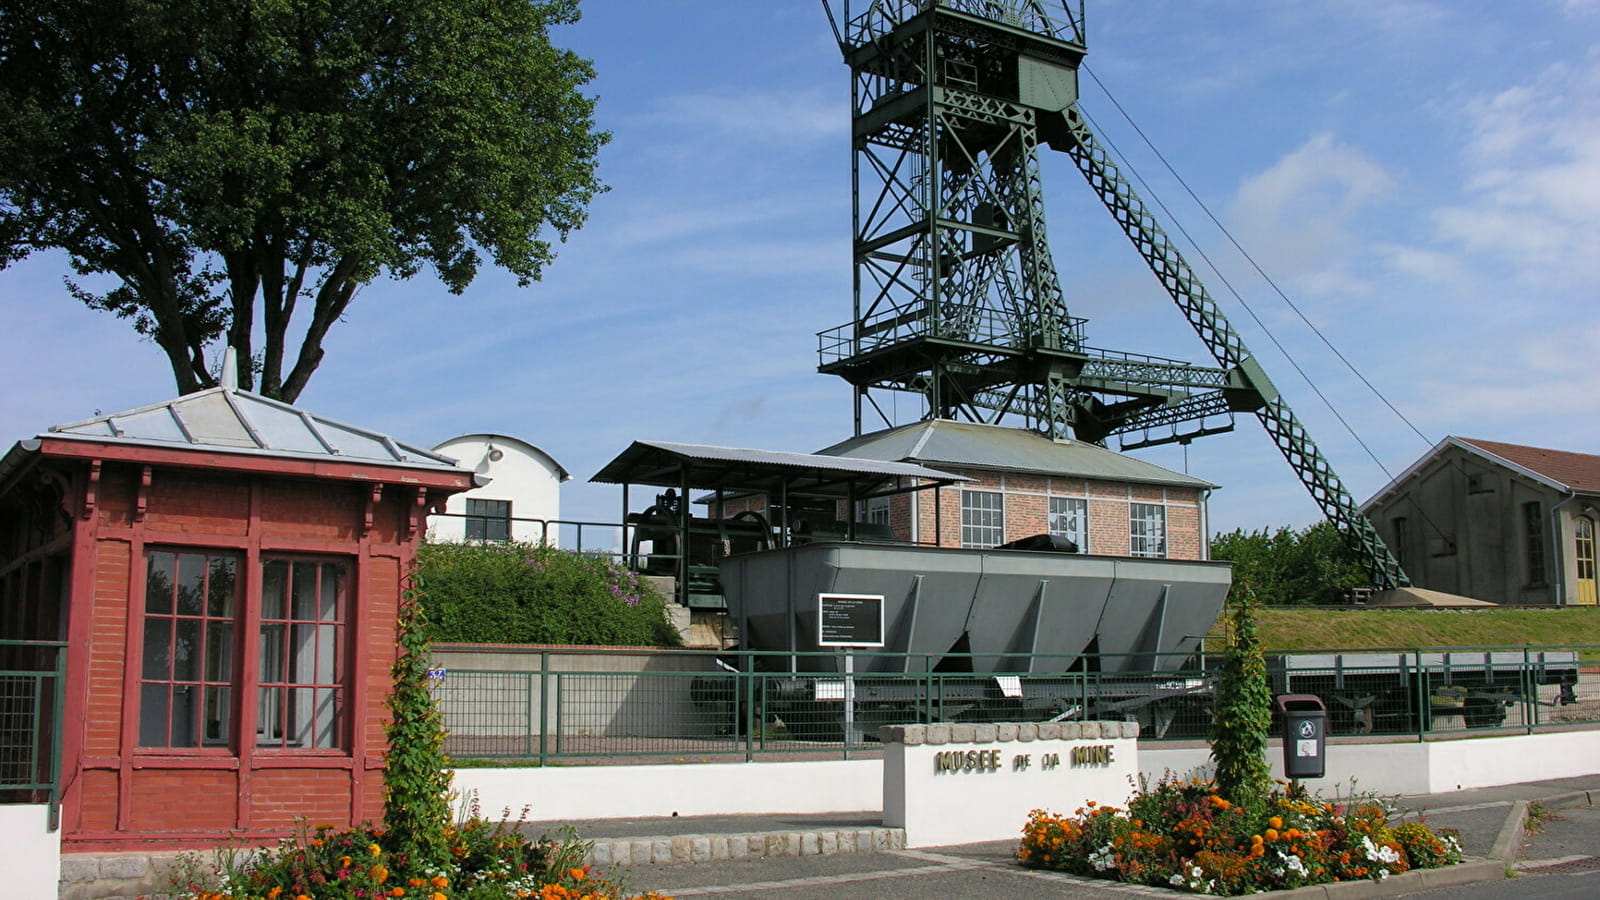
{"type": "Point", "coordinates": [664, 464]}
{"type": "Point", "coordinates": [943, 442]}
{"type": "Point", "coordinates": [234, 421]}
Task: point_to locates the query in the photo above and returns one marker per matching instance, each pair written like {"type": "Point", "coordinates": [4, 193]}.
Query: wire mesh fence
{"type": "Point", "coordinates": [31, 674]}
{"type": "Point", "coordinates": [594, 706]}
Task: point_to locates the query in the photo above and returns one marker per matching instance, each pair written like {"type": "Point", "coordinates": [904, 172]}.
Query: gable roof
{"type": "Point", "coordinates": [227, 420]}
{"type": "Point", "coordinates": [947, 443]}
{"type": "Point", "coordinates": [1562, 470]}
{"type": "Point", "coordinates": [1572, 471]}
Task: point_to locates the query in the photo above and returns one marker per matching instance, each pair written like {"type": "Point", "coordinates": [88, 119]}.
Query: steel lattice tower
{"type": "Point", "coordinates": [956, 297]}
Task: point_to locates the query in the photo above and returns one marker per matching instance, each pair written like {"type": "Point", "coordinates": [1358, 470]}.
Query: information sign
{"type": "Point", "coordinates": [850, 620]}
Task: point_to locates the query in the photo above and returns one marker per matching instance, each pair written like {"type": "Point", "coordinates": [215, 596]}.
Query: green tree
{"type": "Point", "coordinates": [217, 158]}
{"type": "Point", "coordinates": [1243, 719]}
{"type": "Point", "coordinates": [1290, 568]}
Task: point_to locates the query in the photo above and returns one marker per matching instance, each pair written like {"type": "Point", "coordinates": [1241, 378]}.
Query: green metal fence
{"type": "Point", "coordinates": [31, 678]}
{"type": "Point", "coordinates": [576, 705]}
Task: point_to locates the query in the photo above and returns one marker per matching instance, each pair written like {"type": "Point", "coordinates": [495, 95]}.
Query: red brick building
{"type": "Point", "coordinates": [1021, 484]}
{"type": "Point", "coordinates": [225, 571]}
{"type": "Point", "coordinates": [1026, 484]}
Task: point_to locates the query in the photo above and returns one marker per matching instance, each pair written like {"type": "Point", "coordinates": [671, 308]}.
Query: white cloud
{"type": "Point", "coordinates": [776, 117]}
{"type": "Point", "coordinates": [1297, 215]}
{"type": "Point", "coordinates": [1532, 178]}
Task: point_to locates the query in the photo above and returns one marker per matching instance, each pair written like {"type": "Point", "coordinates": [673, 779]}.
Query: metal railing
{"type": "Point", "coordinates": [31, 677]}
{"type": "Point", "coordinates": [579, 705]}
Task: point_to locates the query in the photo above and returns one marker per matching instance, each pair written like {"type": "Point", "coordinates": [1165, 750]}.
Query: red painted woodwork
{"type": "Point", "coordinates": [113, 503]}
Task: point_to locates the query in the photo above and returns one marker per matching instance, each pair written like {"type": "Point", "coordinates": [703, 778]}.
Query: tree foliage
{"type": "Point", "coordinates": [1291, 568]}
{"type": "Point", "coordinates": [416, 776]}
{"type": "Point", "coordinates": [515, 593]}
{"type": "Point", "coordinates": [1243, 720]}
{"type": "Point", "coordinates": [217, 158]}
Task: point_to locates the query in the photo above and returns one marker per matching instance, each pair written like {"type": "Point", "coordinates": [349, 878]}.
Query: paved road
{"type": "Point", "coordinates": [1563, 857]}
{"type": "Point", "coordinates": [1559, 861]}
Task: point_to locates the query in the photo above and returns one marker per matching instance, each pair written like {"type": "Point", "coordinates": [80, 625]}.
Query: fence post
{"type": "Point", "coordinates": [1530, 692]}
{"type": "Point", "coordinates": [1423, 697]}
{"type": "Point", "coordinates": [58, 691]}
{"type": "Point", "coordinates": [747, 689]}
{"type": "Point", "coordinates": [544, 706]}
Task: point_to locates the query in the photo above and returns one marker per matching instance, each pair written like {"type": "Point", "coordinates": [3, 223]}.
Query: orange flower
{"type": "Point", "coordinates": [416, 882]}
{"type": "Point", "coordinates": [344, 862]}
{"type": "Point", "coordinates": [397, 892]}
{"type": "Point", "coordinates": [379, 873]}
{"type": "Point", "coordinates": [577, 874]}
{"type": "Point", "coordinates": [1272, 834]}
{"type": "Point", "coordinates": [440, 881]}
{"type": "Point", "coordinates": [438, 896]}
{"type": "Point", "coordinates": [273, 894]}
{"type": "Point", "coordinates": [1275, 821]}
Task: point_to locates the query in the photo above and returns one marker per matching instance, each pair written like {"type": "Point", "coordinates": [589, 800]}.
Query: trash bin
{"type": "Point", "coordinates": [1305, 721]}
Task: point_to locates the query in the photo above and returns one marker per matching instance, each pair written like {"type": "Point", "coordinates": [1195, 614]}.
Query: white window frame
{"type": "Point", "coordinates": [1147, 530]}
{"type": "Point", "coordinates": [1069, 518]}
{"type": "Point", "coordinates": [983, 516]}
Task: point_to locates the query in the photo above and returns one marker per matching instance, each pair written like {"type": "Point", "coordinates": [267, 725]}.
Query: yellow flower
{"type": "Point", "coordinates": [374, 849]}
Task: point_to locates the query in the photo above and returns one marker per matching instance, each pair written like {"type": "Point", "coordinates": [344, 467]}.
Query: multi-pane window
{"type": "Point", "coordinates": [191, 677]}
{"type": "Point", "coordinates": [301, 654]}
{"type": "Point", "coordinates": [1533, 528]}
{"type": "Point", "coordinates": [1069, 518]}
{"type": "Point", "coordinates": [983, 518]}
{"type": "Point", "coordinates": [875, 510]}
{"type": "Point", "coordinates": [488, 520]}
{"type": "Point", "coordinates": [187, 673]}
{"type": "Point", "coordinates": [1147, 529]}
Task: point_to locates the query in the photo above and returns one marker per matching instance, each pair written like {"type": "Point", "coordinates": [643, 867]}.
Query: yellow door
{"type": "Point", "coordinates": [1584, 551]}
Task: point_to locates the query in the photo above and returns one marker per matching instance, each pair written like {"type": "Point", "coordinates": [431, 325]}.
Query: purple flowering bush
{"type": "Point", "coordinates": [518, 593]}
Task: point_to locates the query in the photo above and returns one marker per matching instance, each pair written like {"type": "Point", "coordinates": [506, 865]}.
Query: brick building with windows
{"type": "Point", "coordinates": [225, 571]}
{"type": "Point", "coordinates": [1022, 484]}
{"type": "Point", "coordinates": [1025, 484]}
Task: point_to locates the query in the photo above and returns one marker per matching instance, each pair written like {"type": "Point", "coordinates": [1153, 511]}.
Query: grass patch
{"type": "Point", "coordinates": [1357, 629]}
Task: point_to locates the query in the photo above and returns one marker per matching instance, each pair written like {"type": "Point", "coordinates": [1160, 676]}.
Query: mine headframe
{"type": "Point", "coordinates": [956, 296]}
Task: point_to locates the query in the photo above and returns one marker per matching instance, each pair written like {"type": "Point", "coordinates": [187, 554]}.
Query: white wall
{"type": "Point", "coordinates": [30, 853]}
{"type": "Point", "coordinates": [524, 474]}
{"type": "Point", "coordinates": [565, 793]}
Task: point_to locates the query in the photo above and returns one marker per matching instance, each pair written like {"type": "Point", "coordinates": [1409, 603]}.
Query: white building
{"type": "Point", "coordinates": [523, 493]}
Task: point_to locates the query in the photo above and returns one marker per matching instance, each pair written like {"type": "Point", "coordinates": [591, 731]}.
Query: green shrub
{"type": "Point", "coordinates": [516, 593]}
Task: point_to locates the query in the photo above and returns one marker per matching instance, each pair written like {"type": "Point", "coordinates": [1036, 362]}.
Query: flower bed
{"type": "Point", "coordinates": [488, 861]}
{"type": "Point", "coordinates": [1183, 835]}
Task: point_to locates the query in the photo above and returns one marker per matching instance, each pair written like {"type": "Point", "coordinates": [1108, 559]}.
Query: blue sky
{"type": "Point", "coordinates": [1422, 178]}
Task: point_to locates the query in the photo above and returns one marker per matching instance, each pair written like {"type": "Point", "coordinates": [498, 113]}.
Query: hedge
{"type": "Point", "coordinates": [517, 593]}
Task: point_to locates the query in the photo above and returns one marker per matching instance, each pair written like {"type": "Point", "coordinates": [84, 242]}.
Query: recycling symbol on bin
{"type": "Point", "coordinates": [1308, 729]}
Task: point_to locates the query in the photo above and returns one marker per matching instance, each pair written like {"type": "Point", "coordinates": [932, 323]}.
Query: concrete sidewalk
{"type": "Point", "coordinates": [738, 856]}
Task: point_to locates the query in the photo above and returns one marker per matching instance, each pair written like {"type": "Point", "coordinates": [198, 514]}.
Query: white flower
{"type": "Point", "coordinates": [1196, 872]}
{"type": "Point", "coordinates": [1175, 880]}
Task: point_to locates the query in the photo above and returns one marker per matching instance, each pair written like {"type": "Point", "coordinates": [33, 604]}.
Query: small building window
{"type": "Point", "coordinates": [1147, 529]}
{"type": "Point", "coordinates": [1398, 526]}
{"type": "Point", "coordinates": [302, 654]}
{"type": "Point", "coordinates": [1069, 518]}
{"type": "Point", "coordinates": [983, 518]}
{"type": "Point", "coordinates": [1533, 529]}
{"type": "Point", "coordinates": [187, 673]}
{"type": "Point", "coordinates": [875, 510]}
{"type": "Point", "coordinates": [190, 678]}
{"type": "Point", "coordinates": [488, 520]}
